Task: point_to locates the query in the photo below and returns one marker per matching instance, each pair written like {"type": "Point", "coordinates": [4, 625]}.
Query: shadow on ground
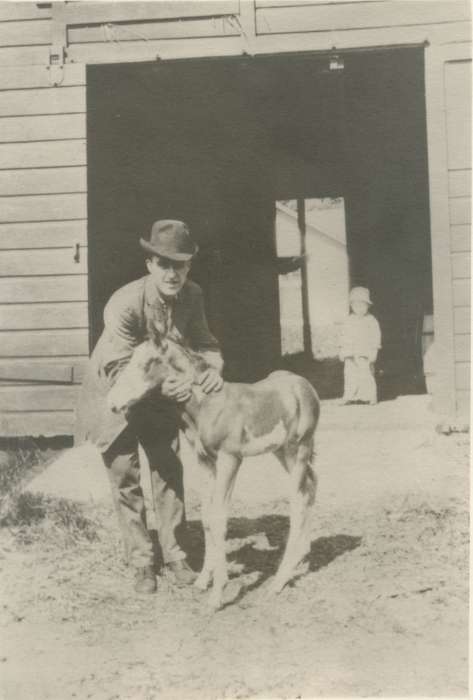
{"type": "Point", "coordinates": [256, 546]}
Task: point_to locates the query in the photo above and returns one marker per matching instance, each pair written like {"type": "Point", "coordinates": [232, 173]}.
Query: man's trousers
{"type": "Point", "coordinates": [156, 428]}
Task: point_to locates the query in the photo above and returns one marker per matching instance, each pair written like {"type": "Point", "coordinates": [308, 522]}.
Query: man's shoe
{"type": "Point", "coordinates": [145, 580]}
{"type": "Point", "coordinates": [181, 572]}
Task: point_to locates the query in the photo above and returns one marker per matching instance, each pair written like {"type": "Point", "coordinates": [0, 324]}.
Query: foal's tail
{"type": "Point", "coordinates": [308, 404]}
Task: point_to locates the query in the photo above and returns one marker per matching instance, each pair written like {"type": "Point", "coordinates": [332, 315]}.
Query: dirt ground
{"type": "Point", "coordinates": [380, 607]}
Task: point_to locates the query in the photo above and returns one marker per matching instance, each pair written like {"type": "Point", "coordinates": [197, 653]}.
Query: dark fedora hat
{"type": "Point", "coordinates": [170, 239]}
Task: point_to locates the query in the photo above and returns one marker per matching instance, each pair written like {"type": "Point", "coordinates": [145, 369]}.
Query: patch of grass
{"type": "Point", "coordinates": [34, 516]}
{"type": "Point", "coordinates": [23, 457]}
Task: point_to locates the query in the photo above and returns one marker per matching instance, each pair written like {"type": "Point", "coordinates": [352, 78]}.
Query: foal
{"type": "Point", "coordinates": [278, 414]}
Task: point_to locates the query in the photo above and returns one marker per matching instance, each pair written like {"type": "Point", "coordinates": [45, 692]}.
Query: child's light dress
{"type": "Point", "coordinates": [360, 342]}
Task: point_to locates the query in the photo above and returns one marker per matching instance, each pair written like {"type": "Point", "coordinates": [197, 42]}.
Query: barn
{"type": "Point", "coordinates": [113, 114]}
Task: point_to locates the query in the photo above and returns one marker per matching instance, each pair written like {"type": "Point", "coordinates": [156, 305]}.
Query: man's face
{"type": "Point", "coordinates": [168, 275]}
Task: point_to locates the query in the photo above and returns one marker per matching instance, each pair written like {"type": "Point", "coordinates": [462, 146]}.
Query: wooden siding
{"type": "Point", "coordinates": [41, 371]}
{"type": "Point", "coordinates": [70, 179]}
{"type": "Point", "coordinates": [47, 423]}
{"type": "Point", "coordinates": [43, 218]}
{"type": "Point", "coordinates": [458, 127]}
{"type": "Point", "coordinates": [39, 398]}
{"type": "Point", "coordinates": [46, 261]}
{"type": "Point", "coordinates": [45, 315]}
{"type": "Point", "coordinates": [28, 290]}
{"type": "Point", "coordinates": [349, 16]}
{"type": "Point", "coordinates": [12, 11]}
{"type": "Point", "coordinates": [43, 128]}
{"type": "Point", "coordinates": [116, 32]}
{"type": "Point", "coordinates": [180, 29]}
{"type": "Point", "coordinates": [44, 343]}
{"type": "Point", "coordinates": [107, 12]}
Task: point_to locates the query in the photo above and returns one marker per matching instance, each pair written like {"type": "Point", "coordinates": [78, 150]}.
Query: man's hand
{"type": "Point", "coordinates": [210, 381]}
{"type": "Point", "coordinates": [178, 389]}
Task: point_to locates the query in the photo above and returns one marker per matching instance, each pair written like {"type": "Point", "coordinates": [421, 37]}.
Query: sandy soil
{"type": "Point", "coordinates": [380, 607]}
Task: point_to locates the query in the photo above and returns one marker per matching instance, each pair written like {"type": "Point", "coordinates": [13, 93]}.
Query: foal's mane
{"type": "Point", "coordinates": [157, 334]}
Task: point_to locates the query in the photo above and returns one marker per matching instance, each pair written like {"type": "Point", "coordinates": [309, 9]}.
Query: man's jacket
{"type": "Point", "coordinates": [126, 317]}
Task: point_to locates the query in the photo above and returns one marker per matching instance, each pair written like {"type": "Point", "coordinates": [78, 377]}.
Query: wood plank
{"type": "Point", "coordinates": [235, 46]}
{"type": "Point", "coordinates": [43, 234]}
{"type": "Point", "coordinates": [461, 292]}
{"type": "Point", "coordinates": [43, 181]}
{"type": "Point", "coordinates": [435, 34]}
{"type": "Point", "coordinates": [35, 424]}
{"type": "Point", "coordinates": [458, 84]}
{"type": "Point", "coordinates": [460, 210]}
{"type": "Point", "coordinates": [45, 207]}
{"type": "Point", "coordinates": [386, 13]}
{"type": "Point", "coordinates": [462, 348]}
{"type": "Point", "coordinates": [460, 237]}
{"type": "Point", "coordinates": [443, 289]}
{"type": "Point", "coordinates": [459, 183]}
{"type": "Point", "coordinates": [20, 77]}
{"type": "Point", "coordinates": [43, 289]}
{"type": "Point", "coordinates": [462, 375]}
{"type": "Point", "coordinates": [463, 400]}
{"type": "Point", "coordinates": [459, 137]}
{"type": "Point", "coordinates": [181, 29]}
{"type": "Point", "coordinates": [114, 52]}
{"type": "Point", "coordinates": [23, 10]}
{"type": "Point", "coordinates": [51, 127]}
{"type": "Point", "coordinates": [78, 370]}
{"type": "Point", "coordinates": [54, 100]}
{"type": "Point", "coordinates": [25, 32]}
{"type": "Point", "coordinates": [24, 55]}
{"type": "Point", "coordinates": [39, 398]}
{"type": "Point", "coordinates": [32, 371]}
{"type": "Point", "coordinates": [295, 3]}
{"type": "Point", "coordinates": [462, 319]}
{"type": "Point", "coordinates": [43, 154]}
{"type": "Point", "coordinates": [17, 263]}
{"type": "Point", "coordinates": [42, 316]}
{"type": "Point", "coordinates": [100, 12]}
{"type": "Point", "coordinates": [461, 265]}
{"type": "Point", "coordinates": [44, 343]}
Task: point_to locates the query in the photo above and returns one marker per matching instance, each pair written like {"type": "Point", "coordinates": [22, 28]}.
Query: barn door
{"type": "Point", "coordinates": [448, 88]}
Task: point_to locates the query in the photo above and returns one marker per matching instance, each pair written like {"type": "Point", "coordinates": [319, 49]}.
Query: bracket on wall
{"type": "Point", "coordinates": [58, 48]}
{"type": "Point", "coordinates": [56, 65]}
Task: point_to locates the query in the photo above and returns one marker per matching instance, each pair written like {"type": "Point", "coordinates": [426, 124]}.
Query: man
{"type": "Point", "coordinates": [170, 301]}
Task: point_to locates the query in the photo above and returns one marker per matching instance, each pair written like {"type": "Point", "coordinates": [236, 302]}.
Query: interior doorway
{"type": "Point", "coordinates": [314, 279]}
{"type": "Point", "coordinates": [218, 142]}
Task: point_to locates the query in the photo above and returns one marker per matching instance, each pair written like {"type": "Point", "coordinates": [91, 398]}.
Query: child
{"type": "Point", "coordinates": [360, 342]}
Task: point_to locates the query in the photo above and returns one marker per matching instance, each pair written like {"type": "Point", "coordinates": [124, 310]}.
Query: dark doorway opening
{"type": "Point", "coordinates": [218, 142]}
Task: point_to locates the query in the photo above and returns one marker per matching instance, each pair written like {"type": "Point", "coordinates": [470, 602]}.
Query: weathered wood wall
{"type": "Point", "coordinates": [43, 179]}
{"type": "Point", "coordinates": [458, 125]}
{"type": "Point", "coordinates": [43, 228]}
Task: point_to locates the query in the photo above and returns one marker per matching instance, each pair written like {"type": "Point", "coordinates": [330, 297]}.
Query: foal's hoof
{"type": "Point", "coordinates": [215, 602]}
{"type": "Point", "coordinates": [275, 588]}
{"type": "Point", "coordinates": [218, 600]}
{"type": "Point", "coordinates": [202, 582]}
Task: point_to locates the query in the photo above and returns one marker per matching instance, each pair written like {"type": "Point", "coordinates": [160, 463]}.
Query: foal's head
{"type": "Point", "coordinates": [151, 363]}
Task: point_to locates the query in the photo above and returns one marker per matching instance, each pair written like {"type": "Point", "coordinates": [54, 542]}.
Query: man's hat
{"type": "Point", "coordinates": [360, 294]}
{"type": "Point", "coordinates": [170, 239]}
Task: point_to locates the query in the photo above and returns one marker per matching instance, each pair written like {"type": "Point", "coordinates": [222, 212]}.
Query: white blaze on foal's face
{"type": "Point", "coordinates": [145, 371]}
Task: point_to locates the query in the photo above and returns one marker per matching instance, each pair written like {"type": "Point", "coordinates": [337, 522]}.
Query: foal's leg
{"type": "Point", "coordinates": [303, 483]}
{"type": "Point", "coordinates": [226, 471]}
{"type": "Point", "coordinates": [203, 580]}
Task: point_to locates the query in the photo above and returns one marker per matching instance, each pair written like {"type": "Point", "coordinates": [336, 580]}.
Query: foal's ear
{"type": "Point", "coordinates": [155, 332]}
